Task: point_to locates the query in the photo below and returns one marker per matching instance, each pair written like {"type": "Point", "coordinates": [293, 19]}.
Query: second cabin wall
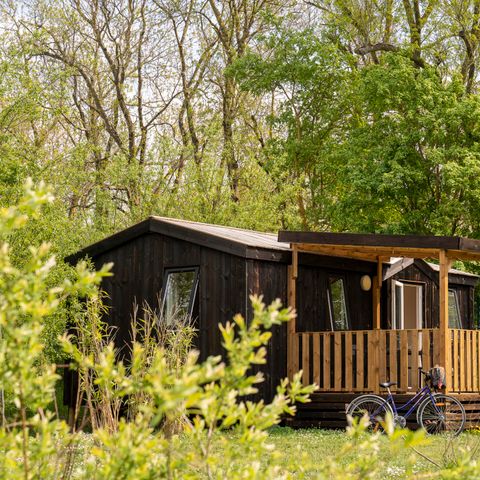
{"type": "Point", "coordinates": [312, 284]}
{"type": "Point", "coordinates": [421, 274]}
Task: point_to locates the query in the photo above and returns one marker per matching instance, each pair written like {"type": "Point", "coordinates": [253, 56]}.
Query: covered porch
{"type": "Point", "coordinates": [356, 361]}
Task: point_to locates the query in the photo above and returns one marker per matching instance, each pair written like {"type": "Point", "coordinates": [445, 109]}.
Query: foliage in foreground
{"type": "Point", "coordinates": [226, 435]}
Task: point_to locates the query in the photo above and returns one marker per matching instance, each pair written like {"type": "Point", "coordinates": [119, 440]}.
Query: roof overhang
{"type": "Point", "coordinates": [376, 247]}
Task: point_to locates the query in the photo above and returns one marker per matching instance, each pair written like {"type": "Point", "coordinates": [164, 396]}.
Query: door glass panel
{"type": "Point", "coordinates": [338, 304]}
{"type": "Point", "coordinates": [412, 306]}
{"type": "Point", "coordinates": [398, 305]}
{"type": "Point", "coordinates": [179, 294]}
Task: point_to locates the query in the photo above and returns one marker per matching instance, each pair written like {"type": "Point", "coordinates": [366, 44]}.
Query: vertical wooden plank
{"type": "Point", "coordinates": [338, 360]}
{"type": "Point", "coordinates": [468, 359]}
{"type": "Point", "coordinates": [360, 374]}
{"type": "Point", "coordinates": [292, 340]}
{"type": "Point", "coordinates": [403, 360]}
{"type": "Point", "coordinates": [348, 361]}
{"type": "Point", "coordinates": [296, 353]}
{"type": "Point", "coordinates": [445, 345]}
{"type": "Point", "coordinates": [382, 355]}
{"type": "Point", "coordinates": [371, 360]}
{"type": "Point", "coordinates": [414, 359]}
{"type": "Point", "coordinates": [316, 358]}
{"type": "Point", "coordinates": [454, 382]}
{"type": "Point", "coordinates": [436, 348]}
{"type": "Point", "coordinates": [393, 345]}
{"type": "Point", "coordinates": [326, 362]}
{"type": "Point", "coordinates": [475, 360]}
{"type": "Point", "coordinates": [306, 358]}
{"type": "Point", "coordinates": [426, 361]}
{"type": "Point", "coordinates": [461, 355]}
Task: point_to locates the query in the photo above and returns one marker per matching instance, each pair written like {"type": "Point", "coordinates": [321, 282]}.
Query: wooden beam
{"type": "Point", "coordinates": [461, 255]}
{"type": "Point", "coordinates": [368, 252]}
{"type": "Point", "coordinates": [445, 341]}
{"type": "Point", "coordinates": [340, 253]}
{"type": "Point", "coordinates": [377, 285]}
{"type": "Point", "coordinates": [292, 340]}
{"type": "Point", "coordinates": [294, 261]}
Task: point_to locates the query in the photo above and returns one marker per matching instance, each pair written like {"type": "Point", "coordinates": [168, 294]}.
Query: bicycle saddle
{"type": "Point", "coordinates": [387, 384]}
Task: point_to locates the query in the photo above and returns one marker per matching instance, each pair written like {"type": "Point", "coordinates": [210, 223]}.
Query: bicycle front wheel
{"type": "Point", "coordinates": [373, 406]}
{"type": "Point", "coordinates": [442, 414]}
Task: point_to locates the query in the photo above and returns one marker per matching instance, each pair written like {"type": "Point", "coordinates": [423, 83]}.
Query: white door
{"type": "Point", "coordinates": [407, 305]}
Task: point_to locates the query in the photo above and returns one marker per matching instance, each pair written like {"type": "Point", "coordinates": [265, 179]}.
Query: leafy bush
{"type": "Point", "coordinates": [223, 434]}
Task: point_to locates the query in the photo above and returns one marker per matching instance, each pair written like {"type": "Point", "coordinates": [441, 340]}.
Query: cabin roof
{"type": "Point", "coordinates": [250, 238]}
{"type": "Point", "coordinates": [236, 241]}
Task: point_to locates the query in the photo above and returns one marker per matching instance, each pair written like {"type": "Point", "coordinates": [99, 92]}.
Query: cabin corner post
{"type": "Point", "coordinates": [292, 340]}
{"type": "Point", "coordinates": [445, 340]}
{"type": "Point", "coordinates": [377, 289]}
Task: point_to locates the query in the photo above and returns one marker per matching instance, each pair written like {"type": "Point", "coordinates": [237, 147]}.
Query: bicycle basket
{"type": "Point", "coordinates": [438, 379]}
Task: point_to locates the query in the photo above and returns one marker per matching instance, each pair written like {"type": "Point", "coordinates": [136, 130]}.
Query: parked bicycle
{"type": "Point", "coordinates": [436, 412]}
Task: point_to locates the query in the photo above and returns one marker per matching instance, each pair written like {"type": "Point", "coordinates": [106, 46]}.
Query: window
{"type": "Point", "coordinates": [179, 292]}
{"type": "Point", "coordinates": [337, 303]}
{"type": "Point", "coordinates": [453, 310]}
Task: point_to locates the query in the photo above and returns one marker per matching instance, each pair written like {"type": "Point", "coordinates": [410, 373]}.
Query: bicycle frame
{"type": "Point", "coordinates": [415, 401]}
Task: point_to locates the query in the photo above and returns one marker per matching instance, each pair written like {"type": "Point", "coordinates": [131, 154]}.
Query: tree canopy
{"type": "Point", "coordinates": [326, 115]}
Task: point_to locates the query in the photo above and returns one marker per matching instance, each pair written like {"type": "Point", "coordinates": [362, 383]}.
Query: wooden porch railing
{"type": "Point", "coordinates": [356, 361]}
{"type": "Point", "coordinates": [465, 356]}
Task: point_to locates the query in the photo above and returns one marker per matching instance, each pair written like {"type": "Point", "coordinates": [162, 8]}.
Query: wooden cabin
{"type": "Point", "coordinates": [369, 307]}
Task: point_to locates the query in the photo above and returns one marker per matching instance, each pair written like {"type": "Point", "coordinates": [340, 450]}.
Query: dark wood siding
{"type": "Point", "coordinates": [270, 280]}
{"type": "Point", "coordinates": [312, 284]}
{"type": "Point", "coordinates": [139, 267]}
{"type": "Point", "coordinates": [137, 277]}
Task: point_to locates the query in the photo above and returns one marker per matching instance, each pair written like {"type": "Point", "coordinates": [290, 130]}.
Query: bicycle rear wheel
{"type": "Point", "coordinates": [373, 406]}
{"type": "Point", "coordinates": [443, 414]}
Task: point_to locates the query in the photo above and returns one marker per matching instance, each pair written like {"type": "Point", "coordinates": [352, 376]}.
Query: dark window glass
{"type": "Point", "coordinates": [454, 320]}
{"type": "Point", "coordinates": [180, 289]}
{"type": "Point", "coordinates": [337, 303]}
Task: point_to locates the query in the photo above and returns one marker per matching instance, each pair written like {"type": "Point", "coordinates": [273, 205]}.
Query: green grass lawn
{"type": "Point", "coordinates": [318, 444]}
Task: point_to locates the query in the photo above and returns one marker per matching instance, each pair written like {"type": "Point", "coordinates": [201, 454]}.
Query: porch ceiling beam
{"type": "Point", "coordinates": [462, 255]}
{"type": "Point", "coordinates": [340, 253]}
{"type": "Point", "coordinates": [368, 252]}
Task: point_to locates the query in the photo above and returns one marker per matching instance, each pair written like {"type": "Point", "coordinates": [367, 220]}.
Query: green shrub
{"type": "Point", "coordinates": [222, 434]}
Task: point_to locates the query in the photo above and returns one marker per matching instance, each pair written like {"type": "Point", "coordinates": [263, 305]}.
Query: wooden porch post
{"type": "Point", "coordinates": [445, 341]}
{"type": "Point", "coordinates": [377, 289]}
{"type": "Point", "coordinates": [292, 343]}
